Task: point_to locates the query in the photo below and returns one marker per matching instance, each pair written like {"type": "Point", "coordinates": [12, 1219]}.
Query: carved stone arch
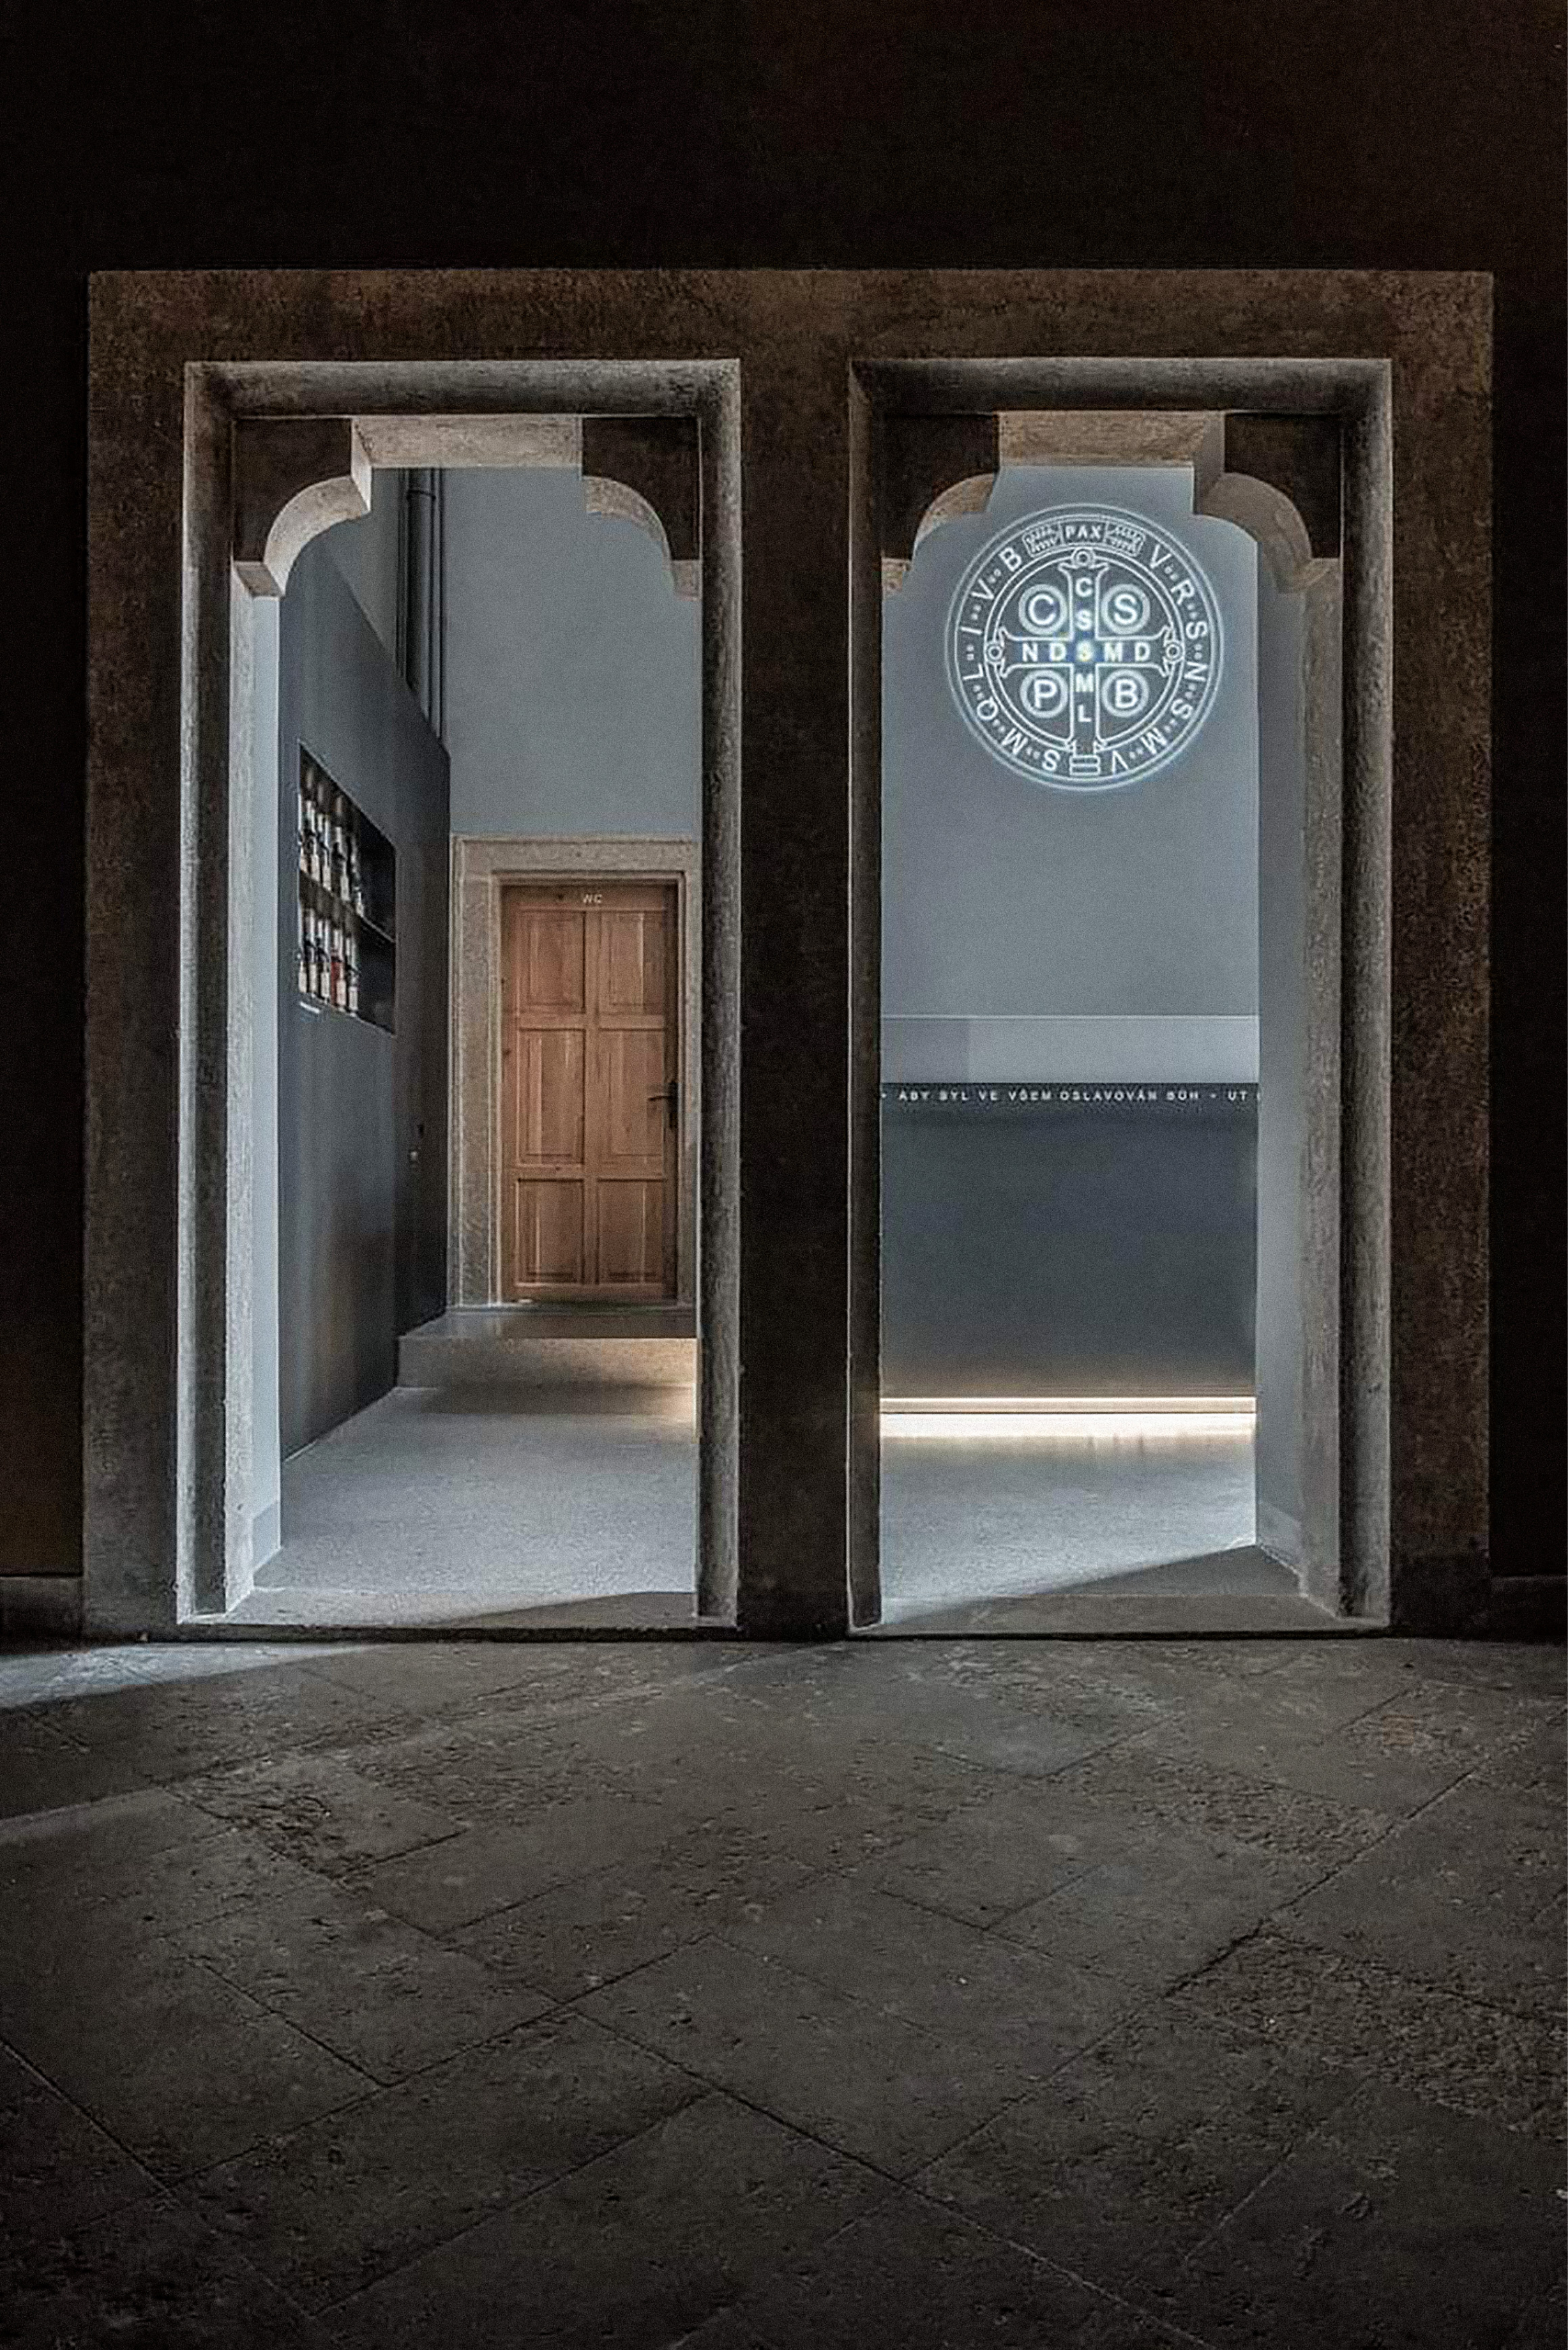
{"type": "Point", "coordinates": [645, 468]}
{"type": "Point", "coordinates": [619, 501]}
{"type": "Point", "coordinates": [931, 469]}
{"type": "Point", "coordinates": [293, 477]}
{"type": "Point", "coordinates": [1272, 520]}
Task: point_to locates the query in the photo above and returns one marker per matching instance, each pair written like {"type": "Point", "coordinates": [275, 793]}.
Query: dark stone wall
{"type": "Point", "coordinates": [1410, 134]}
{"type": "Point", "coordinates": [361, 1218]}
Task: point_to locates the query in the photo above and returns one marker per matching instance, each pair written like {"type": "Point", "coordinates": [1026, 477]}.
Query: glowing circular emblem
{"type": "Point", "coordinates": [1083, 647]}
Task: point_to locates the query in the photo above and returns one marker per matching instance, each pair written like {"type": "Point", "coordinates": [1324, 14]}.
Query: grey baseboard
{"type": "Point", "coordinates": [40, 1606]}
{"type": "Point", "coordinates": [1528, 1607]}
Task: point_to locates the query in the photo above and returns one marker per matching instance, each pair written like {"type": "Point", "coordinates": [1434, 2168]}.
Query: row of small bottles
{"type": "Point", "coordinates": [328, 959]}
{"type": "Point", "coordinates": [329, 850]}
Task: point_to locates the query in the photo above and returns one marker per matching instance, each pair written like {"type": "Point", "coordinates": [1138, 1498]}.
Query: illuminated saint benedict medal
{"type": "Point", "coordinates": [1083, 647]}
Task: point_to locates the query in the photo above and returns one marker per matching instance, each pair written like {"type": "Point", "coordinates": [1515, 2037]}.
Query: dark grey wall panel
{"type": "Point", "coordinates": [362, 1224]}
{"type": "Point", "coordinates": [421, 1044]}
{"type": "Point", "coordinates": [1066, 1246]}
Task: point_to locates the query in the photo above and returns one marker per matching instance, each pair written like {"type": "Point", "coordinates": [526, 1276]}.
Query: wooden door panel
{"type": "Point", "coordinates": [548, 1232]}
{"type": "Point", "coordinates": [629, 1097]}
{"type": "Point", "coordinates": [550, 1097]}
{"type": "Point", "coordinates": [632, 963]}
{"type": "Point", "coordinates": [630, 1233]}
{"type": "Point", "coordinates": [589, 1048]}
{"type": "Point", "coordinates": [551, 963]}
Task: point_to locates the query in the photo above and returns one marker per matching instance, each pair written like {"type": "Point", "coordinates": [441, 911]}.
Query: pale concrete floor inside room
{"type": "Point", "coordinates": [477, 1506]}
{"type": "Point", "coordinates": [922, 1995]}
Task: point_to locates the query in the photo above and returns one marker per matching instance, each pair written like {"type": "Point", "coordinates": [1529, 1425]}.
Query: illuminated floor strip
{"type": "Point", "coordinates": [1071, 1419]}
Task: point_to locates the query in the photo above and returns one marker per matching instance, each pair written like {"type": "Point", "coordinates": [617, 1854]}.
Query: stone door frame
{"type": "Point", "coordinates": [482, 866]}
{"type": "Point", "coordinates": [233, 412]}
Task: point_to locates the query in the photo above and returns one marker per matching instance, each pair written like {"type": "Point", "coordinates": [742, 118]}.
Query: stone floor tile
{"type": "Point", "coordinates": [983, 1862]}
{"type": "Point", "coordinates": [474, 1767]}
{"type": "Point", "coordinates": [876, 1695]}
{"type": "Point", "coordinates": [169, 1732]}
{"type": "Point", "coordinates": [1544, 2323]}
{"type": "Point", "coordinates": [1160, 1905]}
{"type": "Point", "coordinates": [96, 1850]}
{"type": "Point", "coordinates": [1525, 1667]}
{"type": "Point", "coordinates": [1398, 2225]}
{"type": "Point", "coordinates": [491, 1867]}
{"type": "Point", "coordinates": [727, 2331]}
{"type": "Point", "coordinates": [1315, 1732]}
{"type": "Point", "coordinates": [630, 2254]}
{"type": "Point", "coordinates": [589, 1931]}
{"type": "Point", "coordinates": [370, 1987]}
{"type": "Point", "coordinates": [329, 2208]}
{"type": "Point", "coordinates": [1025, 2011]}
{"type": "Point", "coordinates": [319, 1810]}
{"type": "Point", "coordinates": [1113, 2325]}
{"type": "Point", "coordinates": [47, 1675]}
{"type": "Point", "coordinates": [1293, 1704]}
{"type": "Point", "coordinates": [1140, 1780]}
{"type": "Point", "coordinates": [438, 1678]}
{"type": "Point", "coordinates": [1503, 2064]}
{"type": "Point", "coordinates": [541, 1683]}
{"type": "Point", "coordinates": [867, 2082]}
{"type": "Point", "coordinates": [1463, 1895]}
{"type": "Point", "coordinates": [1508, 1736]}
{"type": "Point", "coordinates": [42, 1769]}
{"type": "Point", "coordinates": [178, 2065]}
{"type": "Point", "coordinates": [836, 1817]}
{"type": "Point", "coordinates": [909, 2277]}
{"type": "Point", "coordinates": [128, 1869]}
{"type": "Point", "coordinates": [58, 2169]}
{"type": "Point", "coordinates": [1136, 2149]}
{"type": "Point", "coordinates": [147, 2274]}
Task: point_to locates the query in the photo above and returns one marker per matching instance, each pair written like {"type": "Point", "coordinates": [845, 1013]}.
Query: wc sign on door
{"type": "Point", "coordinates": [1083, 647]}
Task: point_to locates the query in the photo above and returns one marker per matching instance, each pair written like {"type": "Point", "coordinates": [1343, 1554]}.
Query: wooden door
{"type": "Point", "coordinates": [589, 1097]}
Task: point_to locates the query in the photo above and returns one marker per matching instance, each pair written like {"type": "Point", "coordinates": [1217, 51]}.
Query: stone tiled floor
{"type": "Point", "coordinates": [895, 1996]}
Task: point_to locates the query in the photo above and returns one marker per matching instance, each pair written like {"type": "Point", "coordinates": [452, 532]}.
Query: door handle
{"type": "Point", "coordinates": [668, 1095]}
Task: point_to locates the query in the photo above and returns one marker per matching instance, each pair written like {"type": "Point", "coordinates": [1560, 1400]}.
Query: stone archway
{"type": "Point", "coordinates": [1297, 1464]}
{"type": "Point", "coordinates": [800, 375]}
{"type": "Point", "coordinates": [930, 455]}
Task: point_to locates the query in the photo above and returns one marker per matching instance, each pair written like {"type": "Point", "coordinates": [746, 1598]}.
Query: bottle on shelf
{"type": "Point", "coordinates": [303, 971]}
{"type": "Point", "coordinates": [356, 878]}
{"type": "Point", "coordinates": [351, 974]}
{"type": "Point", "coordinates": [339, 850]}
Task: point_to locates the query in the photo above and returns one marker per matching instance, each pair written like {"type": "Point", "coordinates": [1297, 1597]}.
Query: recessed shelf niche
{"type": "Point", "coordinates": [347, 904]}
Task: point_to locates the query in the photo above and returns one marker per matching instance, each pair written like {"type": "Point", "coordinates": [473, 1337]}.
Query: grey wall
{"type": "Point", "coordinates": [362, 1224]}
{"type": "Point", "coordinates": [573, 668]}
{"type": "Point", "coordinates": [1006, 902]}
{"type": "Point", "coordinates": [266, 1462]}
{"type": "Point", "coordinates": [367, 554]}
